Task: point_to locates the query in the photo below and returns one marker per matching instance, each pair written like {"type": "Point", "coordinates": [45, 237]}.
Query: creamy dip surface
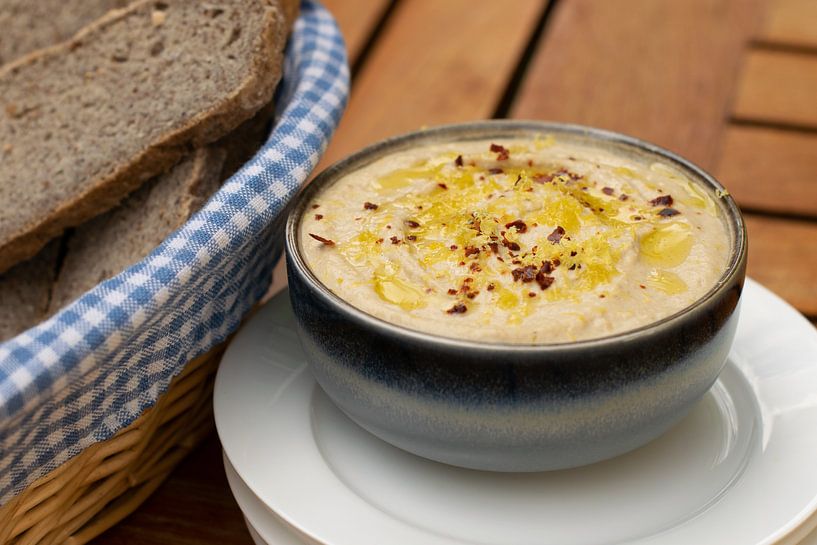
{"type": "Point", "coordinates": [516, 241]}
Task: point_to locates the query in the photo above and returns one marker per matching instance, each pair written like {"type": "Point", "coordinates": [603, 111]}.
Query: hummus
{"type": "Point", "coordinates": [518, 241]}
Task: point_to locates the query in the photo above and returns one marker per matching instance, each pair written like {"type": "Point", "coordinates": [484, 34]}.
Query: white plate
{"type": "Point", "coordinates": [739, 469]}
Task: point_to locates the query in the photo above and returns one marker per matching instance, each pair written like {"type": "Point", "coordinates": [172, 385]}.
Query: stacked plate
{"type": "Point", "coordinates": [739, 469]}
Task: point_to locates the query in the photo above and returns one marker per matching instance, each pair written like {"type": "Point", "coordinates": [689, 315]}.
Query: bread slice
{"type": "Point", "coordinates": [24, 292]}
{"type": "Point", "coordinates": [112, 242]}
{"type": "Point", "coordinates": [33, 24]}
{"type": "Point", "coordinates": [86, 122]}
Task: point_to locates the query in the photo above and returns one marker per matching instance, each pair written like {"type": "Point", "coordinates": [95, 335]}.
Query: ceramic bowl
{"type": "Point", "coordinates": [510, 407]}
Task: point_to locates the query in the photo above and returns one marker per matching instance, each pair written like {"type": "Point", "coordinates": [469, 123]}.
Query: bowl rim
{"type": "Point", "coordinates": [486, 129]}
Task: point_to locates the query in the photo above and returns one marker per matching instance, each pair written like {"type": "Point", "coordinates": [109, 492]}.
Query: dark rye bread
{"type": "Point", "coordinates": [86, 122]}
{"type": "Point", "coordinates": [33, 24]}
{"type": "Point", "coordinates": [24, 292]}
{"type": "Point", "coordinates": [112, 242]}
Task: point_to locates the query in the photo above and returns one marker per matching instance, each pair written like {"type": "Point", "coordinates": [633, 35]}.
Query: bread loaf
{"type": "Point", "coordinates": [86, 122]}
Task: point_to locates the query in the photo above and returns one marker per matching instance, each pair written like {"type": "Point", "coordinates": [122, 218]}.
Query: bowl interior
{"type": "Point", "coordinates": [504, 129]}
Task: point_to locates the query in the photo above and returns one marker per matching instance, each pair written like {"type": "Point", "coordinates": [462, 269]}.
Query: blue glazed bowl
{"type": "Point", "coordinates": [510, 407]}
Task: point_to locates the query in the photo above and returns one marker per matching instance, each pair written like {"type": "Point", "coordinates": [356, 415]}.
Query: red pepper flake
{"type": "Point", "coordinates": [369, 206]}
{"type": "Point", "coordinates": [573, 253]}
{"type": "Point", "coordinates": [458, 161]}
{"type": "Point", "coordinates": [556, 262]}
{"type": "Point", "coordinates": [388, 227]}
{"type": "Point", "coordinates": [458, 308]}
{"type": "Point", "coordinates": [668, 212]}
{"type": "Point", "coordinates": [379, 241]}
{"type": "Point", "coordinates": [395, 240]}
{"type": "Point", "coordinates": [471, 294]}
{"type": "Point", "coordinates": [322, 240]}
{"type": "Point", "coordinates": [663, 200]}
{"type": "Point", "coordinates": [318, 217]}
{"type": "Point", "coordinates": [547, 267]}
{"type": "Point", "coordinates": [556, 235]}
{"type": "Point", "coordinates": [461, 263]}
{"type": "Point", "coordinates": [513, 246]}
{"type": "Point", "coordinates": [452, 247]}
{"type": "Point", "coordinates": [642, 286]}
{"type": "Point", "coordinates": [470, 250]}
{"type": "Point", "coordinates": [442, 186]}
{"type": "Point", "coordinates": [637, 218]}
{"type": "Point", "coordinates": [494, 247]}
{"type": "Point", "coordinates": [602, 296]}
{"type": "Point", "coordinates": [501, 151]}
{"type": "Point", "coordinates": [531, 294]}
{"type": "Point", "coordinates": [623, 197]}
{"type": "Point", "coordinates": [525, 274]}
{"type": "Point", "coordinates": [607, 190]}
{"type": "Point", "coordinates": [519, 224]}
{"type": "Point", "coordinates": [530, 162]}
{"type": "Point", "coordinates": [490, 287]}
{"type": "Point", "coordinates": [413, 224]}
{"type": "Point", "coordinates": [475, 267]}
{"type": "Point", "coordinates": [544, 280]}
{"type": "Point", "coordinates": [314, 206]}
{"type": "Point", "coordinates": [411, 238]}
{"type": "Point", "coordinates": [452, 291]}
{"type": "Point", "coordinates": [494, 171]}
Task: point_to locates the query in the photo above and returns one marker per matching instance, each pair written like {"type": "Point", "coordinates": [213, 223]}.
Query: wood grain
{"type": "Point", "coordinates": [436, 62]}
{"type": "Point", "coordinates": [770, 170]}
{"type": "Point", "coordinates": [662, 71]}
{"type": "Point", "coordinates": [783, 257]}
{"type": "Point", "coordinates": [778, 87]}
{"type": "Point", "coordinates": [356, 19]}
{"type": "Point", "coordinates": [790, 22]}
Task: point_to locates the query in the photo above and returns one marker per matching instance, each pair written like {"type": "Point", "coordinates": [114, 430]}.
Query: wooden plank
{"type": "Point", "coordinates": [769, 169]}
{"type": "Point", "coordinates": [790, 22]}
{"type": "Point", "coordinates": [356, 19]}
{"type": "Point", "coordinates": [433, 65]}
{"type": "Point", "coordinates": [778, 87]}
{"type": "Point", "coordinates": [662, 71]}
{"type": "Point", "coordinates": [783, 257]}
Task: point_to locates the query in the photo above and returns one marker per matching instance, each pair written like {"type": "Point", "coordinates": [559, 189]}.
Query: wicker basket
{"type": "Point", "coordinates": [182, 300]}
{"type": "Point", "coordinates": [106, 482]}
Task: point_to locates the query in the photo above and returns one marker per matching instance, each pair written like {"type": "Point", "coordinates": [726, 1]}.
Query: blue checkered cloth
{"type": "Point", "coordinates": [95, 367]}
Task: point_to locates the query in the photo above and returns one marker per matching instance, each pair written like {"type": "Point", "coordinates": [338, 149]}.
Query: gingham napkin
{"type": "Point", "coordinates": [92, 369]}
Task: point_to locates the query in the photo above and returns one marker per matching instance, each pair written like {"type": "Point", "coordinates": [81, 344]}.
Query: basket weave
{"type": "Point", "coordinates": [107, 481]}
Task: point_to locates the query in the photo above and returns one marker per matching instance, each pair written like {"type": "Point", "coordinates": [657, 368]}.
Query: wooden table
{"type": "Point", "coordinates": [729, 84]}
